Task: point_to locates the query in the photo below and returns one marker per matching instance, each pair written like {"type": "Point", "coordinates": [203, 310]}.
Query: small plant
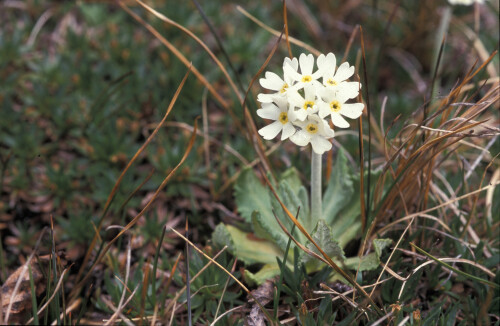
{"type": "Point", "coordinates": [299, 107]}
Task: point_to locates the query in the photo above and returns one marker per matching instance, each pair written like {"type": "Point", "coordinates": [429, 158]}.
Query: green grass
{"type": "Point", "coordinates": [83, 86]}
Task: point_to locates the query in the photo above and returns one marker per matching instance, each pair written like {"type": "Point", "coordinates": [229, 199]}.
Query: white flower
{"type": "Point", "coordinates": [334, 104]}
{"type": "Point", "coordinates": [273, 82]}
{"type": "Point", "coordinates": [315, 131]}
{"type": "Point", "coordinates": [464, 2]}
{"type": "Point", "coordinates": [306, 105]}
{"type": "Point", "coordinates": [332, 78]}
{"type": "Point", "coordinates": [283, 116]}
{"type": "Point", "coordinates": [306, 75]}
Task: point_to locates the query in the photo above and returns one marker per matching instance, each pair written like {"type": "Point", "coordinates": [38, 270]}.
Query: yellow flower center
{"type": "Point", "coordinates": [312, 128]}
{"type": "Point", "coordinates": [335, 106]}
{"type": "Point", "coordinates": [331, 82]}
{"type": "Point", "coordinates": [283, 89]}
{"type": "Point", "coordinates": [306, 79]}
{"type": "Point", "coordinates": [283, 118]}
{"type": "Point", "coordinates": [308, 105]}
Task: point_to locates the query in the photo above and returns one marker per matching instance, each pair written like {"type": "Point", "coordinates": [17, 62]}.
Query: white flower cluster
{"type": "Point", "coordinates": [301, 102]}
{"type": "Point", "coordinates": [464, 2]}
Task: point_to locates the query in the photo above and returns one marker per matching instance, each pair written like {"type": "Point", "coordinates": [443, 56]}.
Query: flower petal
{"type": "Point", "coordinates": [300, 114]}
{"type": "Point", "coordinates": [326, 61]}
{"type": "Point", "coordinates": [266, 98]}
{"type": "Point", "coordinates": [306, 64]}
{"type": "Point", "coordinates": [269, 111]}
{"type": "Point", "coordinates": [326, 131]}
{"type": "Point", "coordinates": [288, 130]}
{"type": "Point", "coordinates": [295, 99]}
{"type": "Point", "coordinates": [344, 72]}
{"type": "Point", "coordinates": [348, 90]}
{"type": "Point", "coordinates": [320, 144]}
{"type": "Point", "coordinates": [272, 81]}
{"type": "Point", "coordinates": [338, 121]}
{"type": "Point", "coordinates": [290, 73]}
{"type": "Point", "coordinates": [310, 92]}
{"type": "Point", "coordinates": [282, 102]}
{"type": "Point", "coordinates": [324, 109]}
{"type": "Point", "coordinates": [294, 63]}
{"type": "Point", "coordinates": [300, 138]}
{"type": "Point", "coordinates": [270, 131]}
{"type": "Point", "coordinates": [353, 110]}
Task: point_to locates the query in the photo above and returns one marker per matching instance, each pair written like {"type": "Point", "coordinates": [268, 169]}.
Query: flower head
{"type": "Point", "coordinates": [306, 75]}
{"type": "Point", "coordinates": [300, 103]}
{"type": "Point", "coordinates": [334, 104]}
{"type": "Point", "coordinates": [306, 105]}
{"type": "Point", "coordinates": [464, 2]}
{"type": "Point", "coordinates": [273, 82]}
{"type": "Point", "coordinates": [283, 117]}
{"type": "Point", "coordinates": [316, 131]}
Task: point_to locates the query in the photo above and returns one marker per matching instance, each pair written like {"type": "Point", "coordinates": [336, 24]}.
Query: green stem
{"type": "Point", "coordinates": [316, 210]}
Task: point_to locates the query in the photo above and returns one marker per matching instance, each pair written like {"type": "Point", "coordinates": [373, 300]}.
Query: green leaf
{"type": "Point", "coordinates": [304, 199]}
{"type": "Point", "coordinates": [340, 188]}
{"type": "Point", "coordinates": [251, 195]}
{"type": "Point", "coordinates": [267, 272]}
{"type": "Point", "coordinates": [246, 246]}
{"type": "Point", "coordinates": [291, 176]}
{"type": "Point", "coordinates": [370, 261]}
{"type": "Point", "coordinates": [293, 203]}
{"type": "Point", "coordinates": [222, 237]}
{"type": "Point", "coordinates": [269, 229]}
{"type": "Point", "coordinates": [381, 244]}
{"type": "Point", "coordinates": [322, 235]}
{"type": "Point", "coordinates": [347, 224]}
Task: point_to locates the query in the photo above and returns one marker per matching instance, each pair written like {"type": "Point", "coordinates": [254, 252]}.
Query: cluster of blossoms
{"type": "Point", "coordinates": [303, 99]}
{"type": "Point", "coordinates": [464, 2]}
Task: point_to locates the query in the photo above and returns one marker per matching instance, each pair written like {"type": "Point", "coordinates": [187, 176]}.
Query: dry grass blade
{"type": "Point", "coordinates": [436, 140]}
{"type": "Point", "coordinates": [145, 285]}
{"type": "Point", "coordinates": [123, 318]}
{"type": "Point", "coordinates": [442, 263]}
{"type": "Point", "coordinates": [456, 260]}
{"type": "Point", "coordinates": [225, 313]}
{"type": "Point", "coordinates": [225, 146]}
{"type": "Point", "coordinates": [368, 110]}
{"type": "Point", "coordinates": [276, 33]}
{"type": "Point", "coordinates": [224, 292]}
{"type": "Point", "coordinates": [287, 36]}
{"type": "Point", "coordinates": [361, 173]}
{"type": "Point", "coordinates": [188, 276]}
{"type": "Point", "coordinates": [68, 310]}
{"type": "Point", "coordinates": [349, 43]}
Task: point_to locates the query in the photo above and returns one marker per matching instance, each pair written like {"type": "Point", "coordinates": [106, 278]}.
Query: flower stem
{"type": "Point", "coordinates": [316, 209]}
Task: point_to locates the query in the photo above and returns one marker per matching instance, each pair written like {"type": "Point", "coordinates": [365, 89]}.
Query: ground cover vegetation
{"type": "Point", "coordinates": [135, 160]}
